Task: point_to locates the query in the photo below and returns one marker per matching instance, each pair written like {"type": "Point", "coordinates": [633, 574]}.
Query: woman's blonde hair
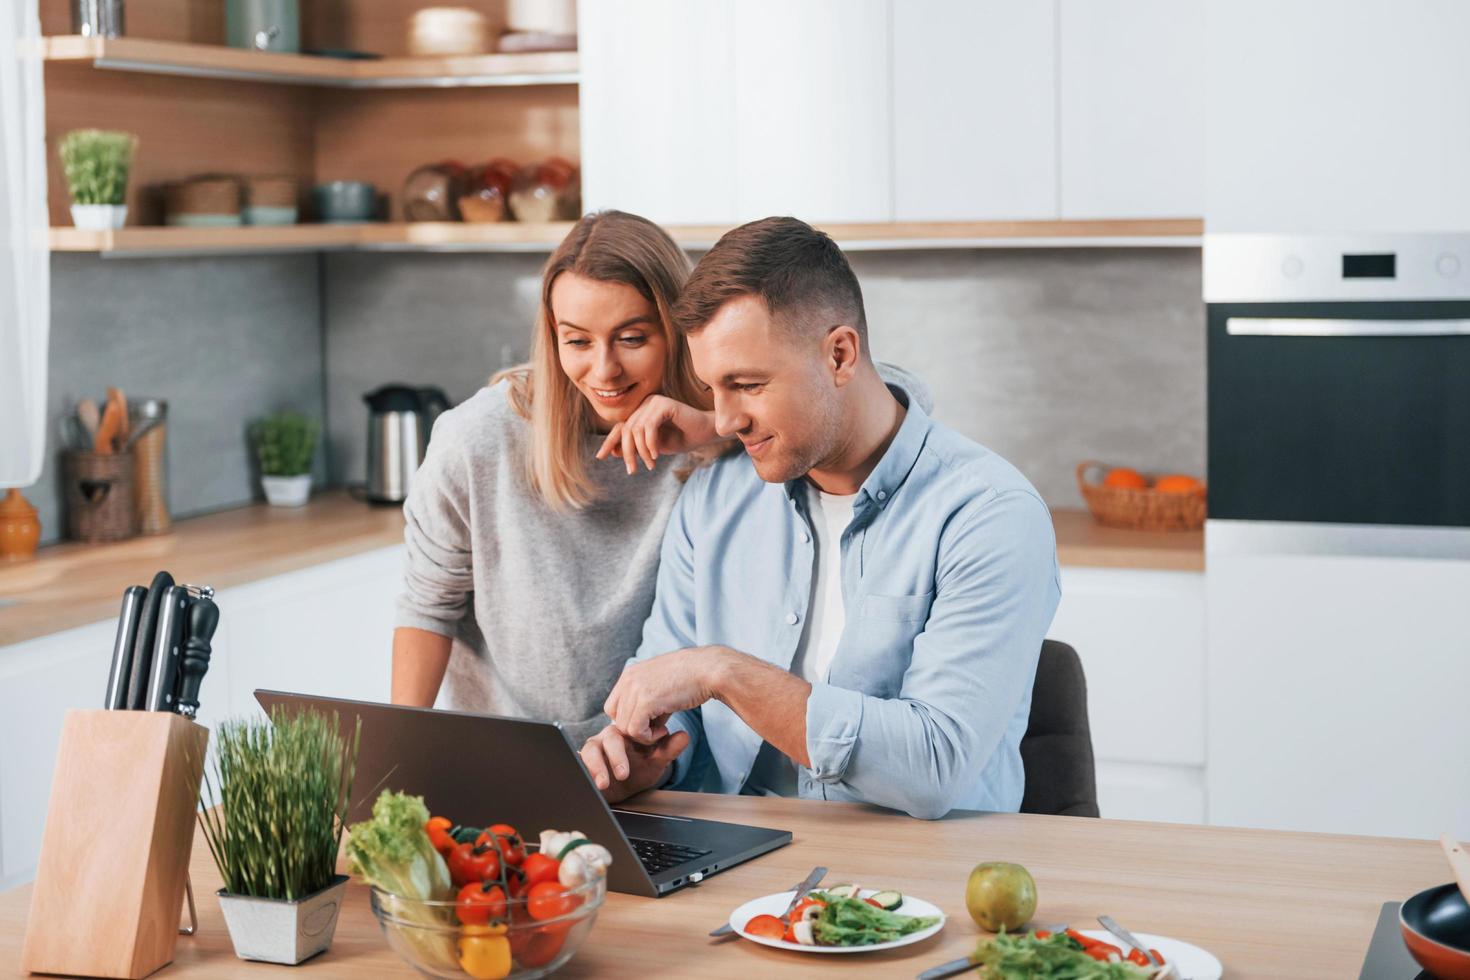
{"type": "Point", "coordinates": [608, 246]}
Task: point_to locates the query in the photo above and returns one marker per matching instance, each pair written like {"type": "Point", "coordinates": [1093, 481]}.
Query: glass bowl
{"type": "Point", "coordinates": [431, 938]}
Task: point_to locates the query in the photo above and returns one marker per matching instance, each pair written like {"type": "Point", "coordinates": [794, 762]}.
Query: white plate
{"type": "Point", "coordinates": [1192, 962]}
{"type": "Point", "coordinates": [776, 904]}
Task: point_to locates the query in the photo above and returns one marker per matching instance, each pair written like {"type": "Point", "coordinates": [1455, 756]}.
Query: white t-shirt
{"type": "Point", "coordinates": [774, 773]}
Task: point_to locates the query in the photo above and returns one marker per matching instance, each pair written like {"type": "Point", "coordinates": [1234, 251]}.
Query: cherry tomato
{"type": "Point", "coordinates": [806, 903]}
{"type": "Point", "coordinates": [1139, 959]}
{"type": "Point", "coordinates": [538, 868]}
{"type": "Point", "coordinates": [438, 830]}
{"type": "Point", "coordinates": [473, 863]}
{"type": "Point", "coordinates": [504, 837]}
{"type": "Point", "coordinates": [767, 927]}
{"type": "Point", "coordinates": [479, 902]}
{"type": "Point", "coordinates": [1103, 951]}
{"type": "Point", "coordinates": [1158, 957]}
{"type": "Point", "coordinates": [540, 947]}
{"type": "Point", "coordinates": [548, 900]}
{"type": "Point", "coordinates": [1042, 934]}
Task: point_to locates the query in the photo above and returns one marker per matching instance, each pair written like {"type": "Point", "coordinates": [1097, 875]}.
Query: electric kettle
{"type": "Point", "coordinates": [400, 419]}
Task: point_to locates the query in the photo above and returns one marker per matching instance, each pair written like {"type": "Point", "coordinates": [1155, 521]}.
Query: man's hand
{"type": "Point", "coordinates": [659, 425]}
{"type": "Point", "coordinates": [651, 690]}
{"type": "Point", "coordinates": [621, 767]}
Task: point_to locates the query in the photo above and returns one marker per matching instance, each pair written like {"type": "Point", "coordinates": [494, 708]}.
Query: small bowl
{"type": "Point", "coordinates": [1436, 927]}
{"type": "Point", "coordinates": [428, 935]}
{"type": "Point", "coordinates": [345, 201]}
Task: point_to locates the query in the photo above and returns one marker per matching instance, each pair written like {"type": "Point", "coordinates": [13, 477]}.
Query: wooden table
{"type": "Point", "coordinates": [1268, 904]}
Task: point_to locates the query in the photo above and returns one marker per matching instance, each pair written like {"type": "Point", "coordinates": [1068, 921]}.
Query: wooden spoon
{"type": "Point", "coordinates": [1459, 860]}
{"type": "Point", "coordinates": [107, 431]}
{"type": "Point", "coordinates": [115, 395]}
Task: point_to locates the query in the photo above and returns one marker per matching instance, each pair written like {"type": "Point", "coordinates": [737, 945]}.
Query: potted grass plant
{"type": "Point", "coordinates": [96, 164]}
{"type": "Point", "coordinates": [284, 445]}
{"type": "Point", "coordinates": [273, 815]}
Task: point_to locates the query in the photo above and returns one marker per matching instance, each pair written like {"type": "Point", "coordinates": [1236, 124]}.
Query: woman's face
{"type": "Point", "coordinates": [609, 342]}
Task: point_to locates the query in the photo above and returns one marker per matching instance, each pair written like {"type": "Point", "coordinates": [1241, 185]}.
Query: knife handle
{"type": "Point", "coordinates": [116, 697]}
{"type": "Point", "coordinates": [203, 618]}
{"type": "Point", "coordinates": [165, 666]}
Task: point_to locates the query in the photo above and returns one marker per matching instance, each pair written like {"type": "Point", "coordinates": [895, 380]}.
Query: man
{"type": "Point", "coordinates": [851, 609]}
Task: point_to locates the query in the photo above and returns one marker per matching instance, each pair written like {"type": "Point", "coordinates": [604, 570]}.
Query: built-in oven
{"type": "Point", "coordinates": [1337, 549]}
{"type": "Point", "coordinates": [1339, 385]}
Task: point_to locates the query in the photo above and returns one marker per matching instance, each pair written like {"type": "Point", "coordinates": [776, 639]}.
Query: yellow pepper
{"type": "Point", "coordinates": [484, 952]}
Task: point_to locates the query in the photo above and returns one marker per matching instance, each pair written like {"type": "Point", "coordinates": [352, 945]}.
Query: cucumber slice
{"type": "Point", "coordinates": [888, 900]}
{"type": "Point", "coordinates": [844, 891]}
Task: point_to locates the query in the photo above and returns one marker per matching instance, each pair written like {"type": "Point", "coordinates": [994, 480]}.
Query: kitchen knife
{"type": "Point", "coordinates": [203, 618]}
{"type": "Point", "coordinates": [122, 647]}
{"type": "Point", "coordinates": [806, 885]}
{"type": "Point", "coordinates": [164, 678]}
{"type": "Point", "coordinates": [139, 671]}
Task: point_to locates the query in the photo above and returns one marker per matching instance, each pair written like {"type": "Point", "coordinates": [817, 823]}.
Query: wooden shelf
{"type": "Point", "coordinates": [513, 236]}
{"type": "Point", "coordinates": [219, 61]}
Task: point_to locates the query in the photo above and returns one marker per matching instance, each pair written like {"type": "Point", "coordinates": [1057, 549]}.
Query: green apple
{"type": "Point", "coordinates": [1000, 896]}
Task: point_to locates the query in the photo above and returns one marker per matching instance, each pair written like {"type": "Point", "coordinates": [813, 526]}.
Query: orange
{"type": "Point", "coordinates": [1178, 483]}
{"type": "Point", "coordinates": [1124, 478]}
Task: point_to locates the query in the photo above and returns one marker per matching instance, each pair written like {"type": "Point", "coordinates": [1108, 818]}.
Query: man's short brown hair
{"type": "Point", "coordinates": [797, 271]}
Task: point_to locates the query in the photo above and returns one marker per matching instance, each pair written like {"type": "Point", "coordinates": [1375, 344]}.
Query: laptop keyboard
{"type": "Point", "coordinates": [658, 855]}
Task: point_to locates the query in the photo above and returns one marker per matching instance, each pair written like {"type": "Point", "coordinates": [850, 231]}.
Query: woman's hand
{"type": "Point", "coordinates": [660, 425]}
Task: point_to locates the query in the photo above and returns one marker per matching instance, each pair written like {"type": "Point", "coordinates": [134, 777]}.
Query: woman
{"type": "Point", "coordinates": [526, 543]}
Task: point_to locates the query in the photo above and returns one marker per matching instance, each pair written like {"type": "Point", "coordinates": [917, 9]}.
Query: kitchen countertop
{"type": "Point", "coordinates": [69, 585]}
{"type": "Point", "coordinates": [1266, 903]}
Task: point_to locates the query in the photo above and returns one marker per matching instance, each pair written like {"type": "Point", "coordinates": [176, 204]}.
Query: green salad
{"type": "Point", "coordinates": [1050, 956]}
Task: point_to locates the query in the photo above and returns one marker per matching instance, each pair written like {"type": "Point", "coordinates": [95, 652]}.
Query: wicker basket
{"type": "Point", "coordinates": [99, 496]}
{"type": "Point", "coordinates": [1139, 510]}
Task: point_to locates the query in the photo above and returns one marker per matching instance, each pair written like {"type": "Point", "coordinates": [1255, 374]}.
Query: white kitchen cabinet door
{"type": "Point", "coordinates": [1166, 794]}
{"type": "Point", "coordinates": [40, 680]}
{"type": "Point", "coordinates": [1345, 117]}
{"type": "Point", "coordinates": [974, 110]}
{"type": "Point", "coordinates": [1132, 108]}
{"type": "Point", "coordinates": [324, 630]}
{"type": "Point", "coordinates": [1337, 694]}
{"type": "Point", "coordinates": [812, 110]}
{"type": "Point", "coordinates": [1140, 635]}
{"type": "Point", "coordinates": [657, 107]}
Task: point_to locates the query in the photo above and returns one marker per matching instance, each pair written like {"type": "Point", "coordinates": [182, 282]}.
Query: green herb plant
{"type": "Point", "coordinates": [284, 443]}
{"type": "Point", "coordinates": [282, 790]}
{"type": "Point", "coordinates": [96, 163]}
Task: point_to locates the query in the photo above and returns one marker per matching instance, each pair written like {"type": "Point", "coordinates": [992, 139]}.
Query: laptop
{"type": "Point", "coordinates": [472, 767]}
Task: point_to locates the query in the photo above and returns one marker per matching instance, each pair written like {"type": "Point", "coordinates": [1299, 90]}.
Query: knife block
{"type": "Point", "coordinates": [115, 852]}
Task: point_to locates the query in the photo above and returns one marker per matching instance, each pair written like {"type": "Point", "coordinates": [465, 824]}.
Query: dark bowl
{"type": "Point", "coordinates": [1436, 928]}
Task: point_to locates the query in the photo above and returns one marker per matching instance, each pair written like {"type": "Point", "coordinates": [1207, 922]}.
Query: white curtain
{"type": "Point", "coordinates": [25, 266]}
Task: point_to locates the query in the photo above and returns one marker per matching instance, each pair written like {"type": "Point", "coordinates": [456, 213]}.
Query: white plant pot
{"type": "Point", "coordinates": [287, 491]}
{"type": "Point", "coordinates": [99, 217]}
{"type": "Point", "coordinates": [276, 931]}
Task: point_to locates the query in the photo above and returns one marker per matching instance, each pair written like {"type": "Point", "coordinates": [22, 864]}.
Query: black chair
{"type": "Point", "coordinates": [1057, 748]}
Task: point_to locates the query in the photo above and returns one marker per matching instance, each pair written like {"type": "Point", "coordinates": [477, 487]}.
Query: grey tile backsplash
{"type": "Point", "coordinates": [1048, 356]}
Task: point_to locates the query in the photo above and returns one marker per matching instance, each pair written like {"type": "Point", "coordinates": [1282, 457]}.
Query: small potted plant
{"type": "Point", "coordinates": [96, 164]}
{"type": "Point", "coordinates": [273, 816]}
{"type": "Point", "coordinates": [284, 445]}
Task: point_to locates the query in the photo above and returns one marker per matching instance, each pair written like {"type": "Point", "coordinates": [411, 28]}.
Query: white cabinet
{"type": "Point", "coordinates": [974, 110]}
{"type": "Point", "coordinates": [723, 112]}
{"type": "Point", "coordinates": [1140, 635]}
{"type": "Point", "coordinates": [812, 110]}
{"type": "Point", "coordinates": [1132, 108]}
{"type": "Point", "coordinates": [1342, 117]}
{"type": "Point", "coordinates": [1337, 694]}
{"type": "Point", "coordinates": [325, 630]}
{"type": "Point", "coordinates": [657, 108]}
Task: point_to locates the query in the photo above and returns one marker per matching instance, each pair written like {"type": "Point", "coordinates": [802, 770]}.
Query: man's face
{"type": "Point", "coordinates": [772, 389]}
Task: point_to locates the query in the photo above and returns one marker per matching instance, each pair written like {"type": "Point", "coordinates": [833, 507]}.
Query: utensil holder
{"type": "Point", "coordinates": [120, 824]}
{"type": "Point", "coordinates": [99, 496]}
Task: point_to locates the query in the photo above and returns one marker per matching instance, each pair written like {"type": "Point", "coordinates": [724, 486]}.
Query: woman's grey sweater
{"type": "Point", "coordinates": [558, 597]}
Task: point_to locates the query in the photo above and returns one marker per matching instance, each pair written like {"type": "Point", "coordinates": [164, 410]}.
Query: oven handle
{"type": "Point", "coordinates": [1248, 326]}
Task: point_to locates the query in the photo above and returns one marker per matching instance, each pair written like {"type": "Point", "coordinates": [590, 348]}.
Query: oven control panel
{"type": "Point", "coordinates": [1241, 268]}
